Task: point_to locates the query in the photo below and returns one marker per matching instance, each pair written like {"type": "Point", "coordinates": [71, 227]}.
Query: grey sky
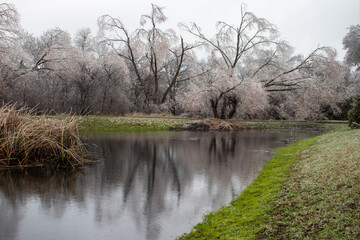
{"type": "Point", "coordinates": [305, 24]}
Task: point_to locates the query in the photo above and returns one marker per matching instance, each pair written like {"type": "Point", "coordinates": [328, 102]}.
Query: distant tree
{"type": "Point", "coordinates": [321, 94]}
{"type": "Point", "coordinates": [9, 25]}
{"type": "Point", "coordinates": [354, 113]}
{"type": "Point", "coordinates": [9, 46]}
{"type": "Point", "coordinates": [114, 85]}
{"type": "Point", "coordinates": [53, 47]}
{"type": "Point", "coordinates": [83, 39]}
{"type": "Point", "coordinates": [249, 71]}
{"type": "Point", "coordinates": [351, 44]}
{"type": "Point", "coordinates": [97, 79]}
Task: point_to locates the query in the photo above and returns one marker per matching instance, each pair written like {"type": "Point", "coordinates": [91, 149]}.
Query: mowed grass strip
{"type": "Point", "coordinates": [245, 216]}
{"type": "Point", "coordinates": [321, 199]}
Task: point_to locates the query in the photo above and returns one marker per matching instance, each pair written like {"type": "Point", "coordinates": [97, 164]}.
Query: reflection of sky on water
{"type": "Point", "coordinates": [149, 186]}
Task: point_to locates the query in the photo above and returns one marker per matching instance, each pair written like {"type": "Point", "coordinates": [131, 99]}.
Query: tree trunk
{"type": "Point", "coordinates": [229, 106]}
{"type": "Point", "coordinates": [214, 105]}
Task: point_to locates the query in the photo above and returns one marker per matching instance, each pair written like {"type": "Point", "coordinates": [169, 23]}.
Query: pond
{"type": "Point", "coordinates": [147, 185]}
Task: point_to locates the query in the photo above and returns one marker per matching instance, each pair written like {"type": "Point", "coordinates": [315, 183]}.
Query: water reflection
{"type": "Point", "coordinates": [149, 186]}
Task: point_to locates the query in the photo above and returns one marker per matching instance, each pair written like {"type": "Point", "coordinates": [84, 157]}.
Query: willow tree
{"type": "Point", "coordinates": [250, 55]}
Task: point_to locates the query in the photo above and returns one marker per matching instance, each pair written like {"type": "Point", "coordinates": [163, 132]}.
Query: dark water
{"type": "Point", "coordinates": [149, 186]}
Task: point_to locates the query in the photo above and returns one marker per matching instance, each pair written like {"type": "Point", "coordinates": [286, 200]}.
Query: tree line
{"type": "Point", "coordinates": [248, 71]}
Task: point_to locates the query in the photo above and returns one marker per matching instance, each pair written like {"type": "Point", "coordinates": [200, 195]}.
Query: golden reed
{"type": "Point", "coordinates": [27, 140]}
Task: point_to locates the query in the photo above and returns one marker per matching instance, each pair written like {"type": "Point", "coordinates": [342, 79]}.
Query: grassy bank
{"type": "Point", "coordinates": [292, 125]}
{"type": "Point", "coordinates": [320, 199]}
{"type": "Point", "coordinates": [163, 123]}
{"type": "Point", "coordinates": [130, 123]}
{"type": "Point", "coordinates": [308, 190]}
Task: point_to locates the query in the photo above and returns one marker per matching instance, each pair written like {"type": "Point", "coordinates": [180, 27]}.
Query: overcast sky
{"type": "Point", "coordinates": [305, 24]}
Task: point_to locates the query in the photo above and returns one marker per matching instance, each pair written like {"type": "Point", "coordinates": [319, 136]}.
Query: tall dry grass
{"type": "Point", "coordinates": [39, 141]}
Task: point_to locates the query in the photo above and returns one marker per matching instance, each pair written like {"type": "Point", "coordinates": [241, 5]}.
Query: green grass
{"type": "Point", "coordinates": [163, 123]}
{"type": "Point", "coordinates": [244, 217]}
{"type": "Point", "coordinates": [309, 190]}
{"type": "Point", "coordinates": [320, 200]}
{"type": "Point", "coordinates": [292, 124]}
{"type": "Point", "coordinates": [129, 124]}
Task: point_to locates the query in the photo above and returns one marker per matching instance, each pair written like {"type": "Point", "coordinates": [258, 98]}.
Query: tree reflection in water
{"type": "Point", "coordinates": [148, 186]}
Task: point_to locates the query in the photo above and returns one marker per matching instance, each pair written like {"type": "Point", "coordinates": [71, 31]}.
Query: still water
{"type": "Point", "coordinates": [147, 185]}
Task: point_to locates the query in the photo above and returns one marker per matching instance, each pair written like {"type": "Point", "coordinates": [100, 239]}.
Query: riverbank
{"type": "Point", "coordinates": [130, 123]}
{"type": "Point", "coordinates": [164, 123]}
{"type": "Point", "coordinates": [310, 189]}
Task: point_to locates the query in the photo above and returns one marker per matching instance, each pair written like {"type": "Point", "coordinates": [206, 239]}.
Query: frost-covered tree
{"type": "Point", "coordinates": [148, 51]}
{"type": "Point", "coordinates": [96, 81]}
{"type": "Point", "coordinates": [249, 61]}
{"type": "Point", "coordinates": [229, 49]}
{"type": "Point", "coordinates": [249, 71]}
{"type": "Point", "coordinates": [354, 113]}
{"type": "Point", "coordinates": [10, 62]}
{"type": "Point", "coordinates": [9, 26]}
{"type": "Point", "coordinates": [114, 84]}
{"type": "Point", "coordinates": [318, 95]}
{"type": "Point", "coordinates": [351, 44]}
{"type": "Point", "coordinates": [84, 40]}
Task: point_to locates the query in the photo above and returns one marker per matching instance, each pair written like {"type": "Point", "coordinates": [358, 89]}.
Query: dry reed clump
{"type": "Point", "coordinates": [28, 141]}
{"type": "Point", "coordinates": [208, 124]}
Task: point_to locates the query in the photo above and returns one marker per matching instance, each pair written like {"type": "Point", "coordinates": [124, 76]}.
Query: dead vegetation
{"type": "Point", "coordinates": [207, 124]}
{"type": "Point", "coordinates": [152, 115]}
{"type": "Point", "coordinates": [39, 141]}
